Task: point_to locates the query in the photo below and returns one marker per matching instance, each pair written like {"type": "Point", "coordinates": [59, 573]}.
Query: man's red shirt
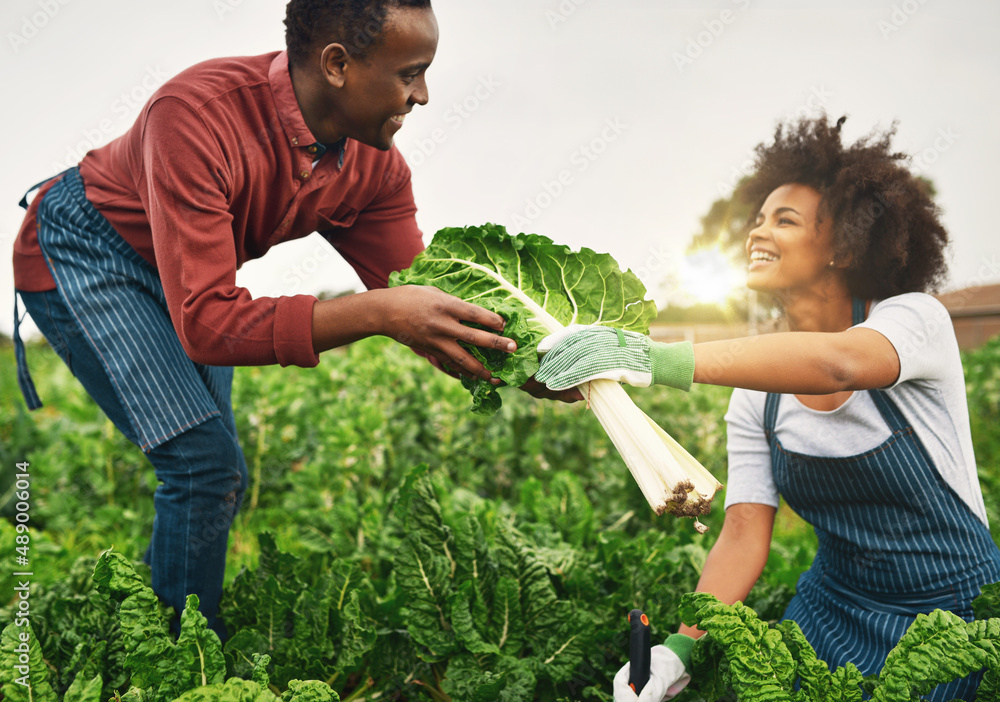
{"type": "Point", "coordinates": [217, 169]}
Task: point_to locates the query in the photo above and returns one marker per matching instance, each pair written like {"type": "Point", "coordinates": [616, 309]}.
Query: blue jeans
{"type": "Point", "coordinates": [202, 473]}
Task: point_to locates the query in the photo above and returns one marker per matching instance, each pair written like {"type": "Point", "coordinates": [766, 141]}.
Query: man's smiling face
{"type": "Point", "coordinates": [381, 88]}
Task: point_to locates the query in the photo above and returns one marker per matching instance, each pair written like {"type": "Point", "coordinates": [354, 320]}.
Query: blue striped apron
{"type": "Point", "coordinates": [118, 301]}
{"type": "Point", "coordinates": [894, 540]}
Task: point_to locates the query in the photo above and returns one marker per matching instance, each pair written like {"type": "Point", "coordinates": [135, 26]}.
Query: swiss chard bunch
{"type": "Point", "coordinates": [763, 664]}
{"type": "Point", "coordinates": [541, 287]}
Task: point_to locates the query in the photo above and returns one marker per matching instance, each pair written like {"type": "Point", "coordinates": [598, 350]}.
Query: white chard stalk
{"type": "Point", "coordinates": [671, 479]}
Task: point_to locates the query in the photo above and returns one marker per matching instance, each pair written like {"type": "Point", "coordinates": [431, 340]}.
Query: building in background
{"type": "Point", "coordinates": [975, 312]}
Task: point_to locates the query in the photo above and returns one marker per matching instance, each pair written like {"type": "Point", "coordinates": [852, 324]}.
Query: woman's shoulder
{"type": "Point", "coordinates": [914, 317]}
{"type": "Point", "coordinates": [921, 331]}
{"type": "Point", "coordinates": [912, 301]}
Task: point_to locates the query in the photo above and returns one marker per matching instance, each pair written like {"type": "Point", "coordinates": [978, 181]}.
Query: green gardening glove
{"type": "Point", "coordinates": [579, 354]}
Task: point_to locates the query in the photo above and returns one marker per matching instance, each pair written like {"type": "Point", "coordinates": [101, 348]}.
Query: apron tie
{"type": "Point", "coordinates": [24, 380]}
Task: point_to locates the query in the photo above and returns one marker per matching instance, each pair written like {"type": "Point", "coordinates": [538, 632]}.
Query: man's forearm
{"type": "Point", "coordinates": [344, 320]}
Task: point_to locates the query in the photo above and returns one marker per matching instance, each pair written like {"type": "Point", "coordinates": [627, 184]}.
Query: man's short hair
{"type": "Point", "coordinates": [356, 24]}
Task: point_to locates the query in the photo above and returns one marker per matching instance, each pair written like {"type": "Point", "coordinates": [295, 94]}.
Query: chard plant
{"type": "Point", "coordinates": [540, 287]}
{"type": "Point", "coordinates": [776, 664]}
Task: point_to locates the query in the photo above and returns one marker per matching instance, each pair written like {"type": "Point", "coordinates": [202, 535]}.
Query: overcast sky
{"type": "Point", "coordinates": [603, 123]}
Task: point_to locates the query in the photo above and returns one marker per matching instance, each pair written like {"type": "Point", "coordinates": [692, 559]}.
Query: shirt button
{"type": "Point", "coordinates": [295, 141]}
{"type": "Point", "coordinates": [304, 175]}
{"type": "Point", "coordinates": [312, 149]}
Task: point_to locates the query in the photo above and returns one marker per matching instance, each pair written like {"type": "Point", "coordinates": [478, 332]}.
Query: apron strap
{"type": "Point", "coordinates": [24, 380]}
{"type": "Point", "coordinates": [857, 311]}
{"type": "Point", "coordinates": [24, 198]}
{"type": "Point", "coordinates": [886, 407]}
{"type": "Point", "coordinates": [770, 414]}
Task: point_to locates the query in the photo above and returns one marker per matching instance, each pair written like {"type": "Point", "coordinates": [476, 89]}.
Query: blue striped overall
{"type": "Point", "coordinates": [108, 320]}
{"type": "Point", "coordinates": [894, 540]}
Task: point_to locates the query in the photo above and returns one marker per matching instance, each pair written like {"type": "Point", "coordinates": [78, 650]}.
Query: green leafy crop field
{"type": "Point", "coordinates": [392, 544]}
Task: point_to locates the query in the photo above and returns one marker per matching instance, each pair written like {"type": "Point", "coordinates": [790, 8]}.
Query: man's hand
{"type": "Point", "coordinates": [667, 677]}
{"type": "Point", "coordinates": [419, 316]}
{"type": "Point", "coordinates": [536, 389]}
{"type": "Point", "coordinates": [430, 320]}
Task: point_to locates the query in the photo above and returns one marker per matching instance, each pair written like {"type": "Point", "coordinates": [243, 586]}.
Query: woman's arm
{"type": "Point", "coordinates": [808, 363]}
{"type": "Point", "coordinates": [738, 557]}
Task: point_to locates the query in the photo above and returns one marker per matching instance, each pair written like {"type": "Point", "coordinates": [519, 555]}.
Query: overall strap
{"type": "Point", "coordinates": [24, 380]}
{"type": "Point", "coordinates": [889, 411]}
{"type": "Point", "coordinates": [770, 413]}
{"type": "Point", "coordinates": [886, 407]}
{"type": "Point", "coordinates": [857, 311]}
{"type": "Point", "coordinates": [24, 198]}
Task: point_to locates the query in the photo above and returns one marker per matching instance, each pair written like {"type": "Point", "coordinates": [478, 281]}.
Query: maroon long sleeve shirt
{"type": "Point", "coordinates": [217, 169]}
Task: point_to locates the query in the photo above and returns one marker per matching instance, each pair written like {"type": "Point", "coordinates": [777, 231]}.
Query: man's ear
{"type": "Point", "coordinates": [334, 61]}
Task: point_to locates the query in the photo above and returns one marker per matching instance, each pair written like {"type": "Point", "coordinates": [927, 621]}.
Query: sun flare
{"type": "Point", "coordinates": [708, 276]}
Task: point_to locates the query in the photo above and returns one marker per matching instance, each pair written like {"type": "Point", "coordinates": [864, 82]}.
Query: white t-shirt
{"type": "Point", "coordinates": [930, 392]}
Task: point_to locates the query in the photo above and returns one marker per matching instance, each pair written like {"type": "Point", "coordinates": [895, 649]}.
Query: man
{"type": "Point", "coordinates": [127, 263]}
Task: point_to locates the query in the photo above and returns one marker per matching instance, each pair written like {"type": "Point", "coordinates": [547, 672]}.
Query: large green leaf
{"type": "Point", "coordinates": [309, 691]}
{"type": "Point", "coordinates": [987, 605]}
{"type": "Point", "coordinates": [24, 677]}
{"type": "Point", "coordinates": [424, 567]}
{"type": "Point", "coordinates": [425, 576]}
{"type": "Point", "coordinates": [233, 690]}
{"type": "Point", "coordinates": [466, 631]}
{"type": "Point", "coordinates": [160, 668]}
{"type": "Point", "coordinates": [937, 648]}
{"type": "Point", "coordinates": [539, 604]}
{"type": "Point", "coordinates": [198, 649]}
{"type": "Point", "coordinates": [816, 681]}
{"type": "Point", "coordinates": [473, 564]}
{"type": "Point", "coordinates": [357, 634]}
{"type": "Point", "coordinates": [761, 668]}
{"type": "Point", "coordinates": [506, 620]}
{"type": "Point", "coordinates": [493, 678]}
{"type": "Point", "coordinates": [553, 286]}
{"type": "Point", "coordinates": [82, 690]}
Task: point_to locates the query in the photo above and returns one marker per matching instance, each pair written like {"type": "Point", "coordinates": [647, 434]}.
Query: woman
{"type": "Point", "coordinates": [857, 416]}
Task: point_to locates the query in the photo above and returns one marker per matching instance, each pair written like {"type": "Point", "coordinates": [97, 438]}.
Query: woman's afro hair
{"type": "Point", "coordinates": [885, 223]}
{"type": "Point", "coordinates": [356, 24]}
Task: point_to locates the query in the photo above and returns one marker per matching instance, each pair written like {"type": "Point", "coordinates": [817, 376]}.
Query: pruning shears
{"type": "Point", "coordinates": [638, 650]}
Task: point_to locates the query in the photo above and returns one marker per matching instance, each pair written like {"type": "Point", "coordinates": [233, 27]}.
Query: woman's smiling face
{"type": "Point", "coordinates": [788, 249]}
